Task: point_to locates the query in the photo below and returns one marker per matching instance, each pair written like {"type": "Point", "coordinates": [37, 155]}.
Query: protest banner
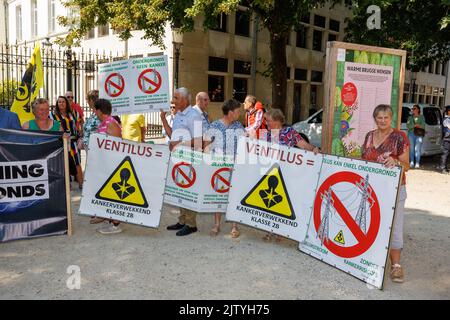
{"type": "Point", "coordinates": [124, 180]}
{"type": "Point", "coordinates": [136, 85]}
{"type": "Point", "coordinates": [339, 209]}
{"type": "Point", "coordinates": [198, 181]}
{"type": "Point", "coordinates": [357, 79]}
{"type": "Point", "coordinates": [272, 187]}
{"type": "Point", "coordinates": [34, 185]}
{"type": "Point", "coordinates": [350, 223]}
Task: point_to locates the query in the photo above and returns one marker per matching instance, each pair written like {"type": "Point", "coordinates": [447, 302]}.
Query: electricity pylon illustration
{"type": "Point", "coordinates": [323, 232]}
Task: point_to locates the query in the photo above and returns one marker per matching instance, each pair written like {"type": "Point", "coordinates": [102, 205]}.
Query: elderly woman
{"type": "Point", "coordinates": [221, 138]}
{"type": "Point", "coordinates": [110, 126]}
{"type": "Point", "coordinates": [92, 122]}
{"type": "Point", "coordinates": [41, 111]}
{"type": "Point", "coordinates": [63, 113]}
{"type": "Point", "coordinates": [390, 147]}
{"type": "Point", "coordinates": [278, 133]}
{"type": "Point", "coordinates": [416, 131]}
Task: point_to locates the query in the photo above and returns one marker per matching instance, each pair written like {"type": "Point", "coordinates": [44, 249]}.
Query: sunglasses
{"type": "Point", "coordinates": [69, 97]}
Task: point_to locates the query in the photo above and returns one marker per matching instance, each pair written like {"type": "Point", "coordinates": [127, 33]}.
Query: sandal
{"type": "Point", "coordinates": [214, 231]}
{"type": "Point", "coordinates": [267, 237]}
{"type": "Point", "coordinates": [234, 232]}
{"type": "Point", "coordinates": [95, 220]}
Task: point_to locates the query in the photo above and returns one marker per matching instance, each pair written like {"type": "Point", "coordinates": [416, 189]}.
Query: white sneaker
{"type": "Point", "coordinates": [417, 166]}
{"type": "Point", "coordinates": [109, 229]}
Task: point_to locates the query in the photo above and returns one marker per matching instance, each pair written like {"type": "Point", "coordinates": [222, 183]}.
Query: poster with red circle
{"type": "Point", "coordinates": [114, 85]}
{"type": "Point", "coordinates": [149, 81]}
{"type": "Point", "coordinates": [349, 93]}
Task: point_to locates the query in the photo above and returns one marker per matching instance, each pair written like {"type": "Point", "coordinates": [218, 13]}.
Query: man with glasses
{"type": "Point", "coordinates": [167, 121]}
{"type": "Point", "coordinates": [75, 106]}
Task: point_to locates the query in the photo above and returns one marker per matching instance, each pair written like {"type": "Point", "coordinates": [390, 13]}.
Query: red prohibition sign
{"type": "Point", "coordinates": [217, 176]}
{"type": "Point", "coordinates": [181, 169]}
{"type": "Point", "coordinates": [146, 82]}
{"type": "Point", "coordinates": [365, 241]}
{"type": "Point", "coordinates": [114, 81]}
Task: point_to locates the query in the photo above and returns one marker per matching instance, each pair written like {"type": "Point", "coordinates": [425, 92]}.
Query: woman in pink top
{"type": "Point", "coordinates": [111, 127]}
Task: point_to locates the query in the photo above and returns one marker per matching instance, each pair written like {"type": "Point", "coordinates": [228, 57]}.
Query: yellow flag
{"type": "Point", "coordinates": [32, 81]}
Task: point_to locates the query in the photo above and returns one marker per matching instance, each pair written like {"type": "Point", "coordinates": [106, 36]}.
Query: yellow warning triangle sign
{"type": "Point", "coordinates": [270, 195]}
{"type": "Point", "coordinates": [123, 186]}
{"type": "Point", "coordinates": [340, 238]}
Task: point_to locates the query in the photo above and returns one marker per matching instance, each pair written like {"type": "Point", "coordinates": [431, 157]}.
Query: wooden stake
{"type": "Point", "coordinates": [67, 179]}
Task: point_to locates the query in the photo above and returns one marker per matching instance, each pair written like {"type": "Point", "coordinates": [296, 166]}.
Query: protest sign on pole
{"type": "Point", "coordinates": [124, 180]}
{"type": "Point", "coordinates": [34, 198]}
{"type": "Point", "coordinates": [136, 85]}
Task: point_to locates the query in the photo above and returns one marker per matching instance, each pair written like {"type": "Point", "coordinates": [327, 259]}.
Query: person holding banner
{"type": "Point", "coordinates": [222, 138]}
{"type": "Point", "coordinates": [76, 108]}
{"type": "Point", "coordinates": [9, 120]}
{"type": "Point", "coordinates": [279, 133]}
{"type": "Point", "coordinates": [41, 111]}
{"type": "Point", "coordinates": [167, 121]}
{"type": "Point", "coordinates": [254, 116]}
{"type": "Point", "coordinates": [186, 131]}
{"type": "Point", "coordinates": [391, 147]}
{"type": "Point", "coordinates": [201, 105]}
{"type": "Point", "coordinates": [92, 122]}
{"type": "Point", "coordinates": [109, 126]}
{"type": "Point", "coordinates": [64, 114]}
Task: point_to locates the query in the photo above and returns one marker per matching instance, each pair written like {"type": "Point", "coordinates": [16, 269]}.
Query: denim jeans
{"type": "Point", "coordinates": [415, 148]}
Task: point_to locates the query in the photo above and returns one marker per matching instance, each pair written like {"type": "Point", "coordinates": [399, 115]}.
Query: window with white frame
{"type": "Point", "coordinates": [51, 16]}
{"type": "Point", "coordinates": [34, 18]}
{"type": "Point", "coordinates": [19, 23]}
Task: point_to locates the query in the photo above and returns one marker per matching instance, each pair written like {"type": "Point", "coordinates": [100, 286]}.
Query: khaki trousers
{"type": "Point", "coordinates": [188, 217]}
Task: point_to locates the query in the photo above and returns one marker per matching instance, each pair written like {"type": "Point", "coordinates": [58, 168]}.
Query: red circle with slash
{"type": "Point", "coordinates": [218, 175]}
{"type": "Point", "coordinates": [146, 77]}
{"type": "Point", "coordinates": [181, 169]}
{"type": "Point", "coordinates": [365, 241]}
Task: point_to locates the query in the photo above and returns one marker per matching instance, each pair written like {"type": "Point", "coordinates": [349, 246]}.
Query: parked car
{"type": "Point", "coordinates": [312, 127]}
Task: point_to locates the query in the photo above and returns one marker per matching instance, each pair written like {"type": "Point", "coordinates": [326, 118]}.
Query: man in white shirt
{"type": "Point", "coordinates": [187, 131]}
{"type": "Point", "coordinates": [201, 106]}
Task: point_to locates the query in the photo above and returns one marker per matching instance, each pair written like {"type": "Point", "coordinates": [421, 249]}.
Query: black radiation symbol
{"type": "Point", "coordinates": [122, 188]}
{"type": "Point", "coordinates": [270, 196]}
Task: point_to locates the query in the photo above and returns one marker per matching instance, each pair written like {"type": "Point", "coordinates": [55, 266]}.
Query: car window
{"type": "Point", "coordinates": [431, 118]}
{"type": "Point", "coordinates": [406, 112]}
{"type": "Point", "coordinates": [316, 119]}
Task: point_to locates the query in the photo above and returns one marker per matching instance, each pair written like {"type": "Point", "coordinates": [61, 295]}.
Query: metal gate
{"type": "Point", "coordinates": [65, 69]}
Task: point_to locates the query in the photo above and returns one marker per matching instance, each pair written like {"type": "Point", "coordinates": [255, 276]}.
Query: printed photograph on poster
{"type": "Point", "coordinates": [358, 79]}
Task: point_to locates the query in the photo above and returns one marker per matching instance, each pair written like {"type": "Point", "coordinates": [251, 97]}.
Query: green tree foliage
{"type": "Point", "coordinates": [8, 92]}
{"type": "Point", "coordinates": [151, 16]}
{"type": "Point", "coordinates": [420, 27]}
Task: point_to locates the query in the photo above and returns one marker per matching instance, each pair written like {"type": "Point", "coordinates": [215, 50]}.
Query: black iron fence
{"type": "Point", "coordinates": [65, 69]}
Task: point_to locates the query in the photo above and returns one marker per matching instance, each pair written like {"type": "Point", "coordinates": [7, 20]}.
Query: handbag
{"type": "Point", "coordinates": [419, 132]}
